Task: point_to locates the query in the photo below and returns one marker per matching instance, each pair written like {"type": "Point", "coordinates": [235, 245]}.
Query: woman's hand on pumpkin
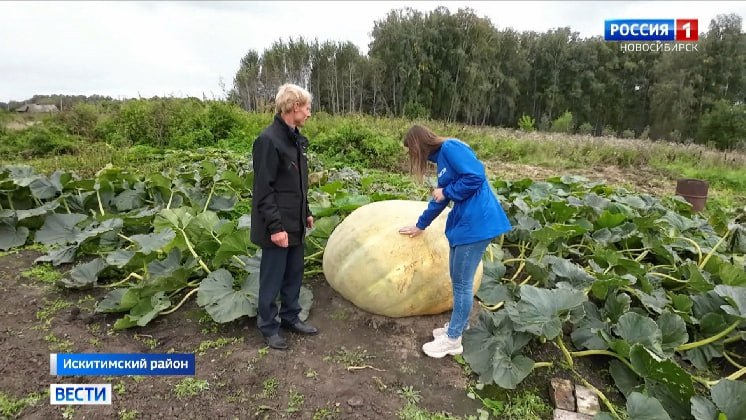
{"type": "Point", "coordinates": [412, 231]}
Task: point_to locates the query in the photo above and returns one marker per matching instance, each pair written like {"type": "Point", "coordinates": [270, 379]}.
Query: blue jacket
{"type": "Point", "coordinates": [476, 214]}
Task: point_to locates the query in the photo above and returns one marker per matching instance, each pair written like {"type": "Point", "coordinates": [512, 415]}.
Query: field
{"type": "Point", "coordinates": [648, 297]}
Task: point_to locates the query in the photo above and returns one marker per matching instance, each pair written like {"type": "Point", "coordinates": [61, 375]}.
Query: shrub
{"type": "Point", "coordinates": [628, 134]}
{"type": "Point", "coordinates": [526, 123]}
{"type": "Point", "coordinates": [359, 146]}
{"type": "Point", "coordinates": [563, 123]}
{"type": "Point", "coordinates": [724, 124]}
{"type": "Point", "coordinates": [586, 128]}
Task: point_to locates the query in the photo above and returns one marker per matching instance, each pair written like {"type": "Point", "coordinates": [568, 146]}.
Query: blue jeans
{"type": "Point", "coordinates": [463, 262]}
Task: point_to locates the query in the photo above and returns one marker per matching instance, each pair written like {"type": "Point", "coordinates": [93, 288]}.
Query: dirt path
{"type": "Point", "coordinates": [236, 377]}
{"type": "Point", "coordinates": [645, 180]}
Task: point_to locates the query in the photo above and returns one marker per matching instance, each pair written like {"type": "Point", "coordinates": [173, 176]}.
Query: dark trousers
{"type": "Point", "coordinates": [280, 272]}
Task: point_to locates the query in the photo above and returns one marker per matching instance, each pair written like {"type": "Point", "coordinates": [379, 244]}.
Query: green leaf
{"type": "Point", "coordinates": [154, 241]}
{"type": "Point", "coordinates": [491, 292]}
{"type": "Point", "coordinates": [59, 229]}
{"type": "Point", "coordinates": [625, 379]}
{"type": "Point", "coordinates": [128, 200]}
{"type": "Point", "coordinates": [640, 407]}
{"type": "Point", "coordinates": [730, 397]}
{"type": "Point", "coordinates": [494, 270]}
{"type": "Point", "coordinates": [224, 303]}
{"type": "Point", "coordinates": [144, 312]}
{"type": "Point", "coordinates": [663, 371]}
{"type": "Point", "coordinates": [11, 236]}
{"type": "Point", "coordinates": [351, 202]}
{"type": "Point", "coordinates": [657, 301]}
{"type": "Point", "coordinates": [703, 409]}
{"type": "Point", "coordinates": [732, 275]}
{"type": "Point", "coordinates": [44, 189]}
{"type": "Point", "coordinates": [84, 276]}
{"type": "Point", "coordinates": [617, 305]}
{"type": "Point", "coordinates": [566, 270]}
{"type": "Point", "coordinates": [736, 298]}
{"type": "Point", "coordinates": [112, 302]}
{"type": "Point", "coordinates": [64, 255]}
{"type": "Point", "coordinates": [542, 311]}
{"type": "Point", "coordinates": [237, 243]}
{"type": "Point", "coordinates": [673, 330]}
{"type": "Point", "coordinates": [608, 220]}
{"type": "Point", "coordinates": [119, 258]}
{"type": "Point", "coordinates": [492, 350]}
{"type": "Point", "coordinates": [634, 329]}
{"type": "Point", "coordinates": [305, 299]}
{"type": "Point", "coordinates": [586, 333]}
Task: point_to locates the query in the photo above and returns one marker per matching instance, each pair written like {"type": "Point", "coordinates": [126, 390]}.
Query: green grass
{"type": "Point", "coordinates": [381, 140]}
{"type": "Point", "coordinates": [10, 407]}
{"type": "Point", "coordinates": [44, 272]}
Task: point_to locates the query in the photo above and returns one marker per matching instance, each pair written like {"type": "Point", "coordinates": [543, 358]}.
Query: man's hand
{"type": "Point", "coordinates": [309, 222]}
{"type": "Point", "coordinates": [438, 195]}
{"type": "Point", "coordinates": [280, 239]}
{"type": "Point", "coordinates": [412, 231]}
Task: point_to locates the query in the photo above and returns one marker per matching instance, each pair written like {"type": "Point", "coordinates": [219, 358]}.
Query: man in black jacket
{"type": "Point", "coordinates": [280, 214]}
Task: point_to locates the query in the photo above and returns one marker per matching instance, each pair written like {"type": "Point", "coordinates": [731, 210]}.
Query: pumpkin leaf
{"type": "Point", "coordinates": [542, 311]}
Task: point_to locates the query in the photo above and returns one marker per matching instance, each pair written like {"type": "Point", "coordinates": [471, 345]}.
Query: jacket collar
{"type": "Point", "coordinates": [293, 134]}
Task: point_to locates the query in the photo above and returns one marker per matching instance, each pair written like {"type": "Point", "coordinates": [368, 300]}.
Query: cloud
{"type": "Point", "coordinates": [186, 48]}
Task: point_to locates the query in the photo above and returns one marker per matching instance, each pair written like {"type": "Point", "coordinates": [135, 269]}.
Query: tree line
{"type": "Point", "coordinates": [459, 67]}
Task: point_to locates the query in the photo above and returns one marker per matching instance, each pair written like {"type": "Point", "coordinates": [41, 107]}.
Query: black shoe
{"type": "Point", "coordinates": [300, 327]}
{"type": "Point", "coordinates": [276, 342]}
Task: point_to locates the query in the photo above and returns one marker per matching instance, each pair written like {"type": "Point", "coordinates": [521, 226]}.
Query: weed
{"type": "Point", "coordinates": [43, 272]}
{"type": "Point", "coordinates": [10, 407]}
{"type": "Point", "coordinates": [50, 309]}
{"type": "Point", "coordinates": [148, 340]}
{"type": "Point", "coordinates": [68, 413]}
{"type": "Point", "coordinates": [295, 401]}
{"type": "Point", "coordinates": [269, 388]}
{"type": "Point", "coordinates": [326, 413]}
{"type": "Point", "coordinates": [411, 395]}
{"type": "Point", "coordinates": [57, 345]}
{"type": "Point", "coordinates": [189, 387]}
{"type": "Point", "coordinates": [349, 358]}
{"type": "Point", "coordinates": [528, 406]}
{"type": "Point", "coordinates": [125, 414]}
{"type": "Point", "coordinates": [310, 373]}
{"type": "Point", "coordinates": [119, 388]}
{"type": "Point", "coordinates": [204, 346]}
{"type": "Point", "coordinates": [237, 397]}
{"type": "Point", "coordinates": [339, 315]}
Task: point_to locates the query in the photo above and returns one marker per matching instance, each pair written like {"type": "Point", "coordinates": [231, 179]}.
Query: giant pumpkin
{"type": "Point", "coordinates": [371, 264]}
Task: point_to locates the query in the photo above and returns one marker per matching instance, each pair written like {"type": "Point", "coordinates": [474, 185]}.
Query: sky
{"type": "Point", "coordinates": [130, 49]}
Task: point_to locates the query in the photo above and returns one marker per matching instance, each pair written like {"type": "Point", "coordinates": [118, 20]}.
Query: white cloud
{"type": "Point", "coordinates": [185, 48]}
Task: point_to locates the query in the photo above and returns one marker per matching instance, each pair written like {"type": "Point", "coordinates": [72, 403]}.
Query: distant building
{"type": "Point", "coordinates": [37, 108]}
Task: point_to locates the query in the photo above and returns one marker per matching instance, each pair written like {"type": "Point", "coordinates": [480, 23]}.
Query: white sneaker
{"type": "Point", "coordinates": [440, 331]}
{"type": "Point", "coordinates": [443, 345]}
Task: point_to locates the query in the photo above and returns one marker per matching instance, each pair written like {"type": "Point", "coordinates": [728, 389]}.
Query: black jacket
{"type": "Point", "coordinates": [280, 193]}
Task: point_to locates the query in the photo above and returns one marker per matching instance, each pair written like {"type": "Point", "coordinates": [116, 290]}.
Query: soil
{"type": "Point", "coordinates": [240, 373]}
{"type": "Point", "coordinates": [641, 180]}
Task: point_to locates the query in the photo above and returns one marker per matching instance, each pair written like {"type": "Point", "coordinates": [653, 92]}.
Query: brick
{"type": "Point", "coordinates": [560, 414]}
{"type": "Point", "coordinates": [562, 394]}
{"type": "Point", "coordinates": [587, 401]}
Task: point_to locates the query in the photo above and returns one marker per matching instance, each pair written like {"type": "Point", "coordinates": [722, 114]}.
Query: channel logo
{"type": "Point", "coordinates": [679, 30]}
{"type": "Point", "coordinates": [80, 394]}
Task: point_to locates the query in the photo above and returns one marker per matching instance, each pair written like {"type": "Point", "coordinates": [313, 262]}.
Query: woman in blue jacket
{"type": "Point", "coordinates": [475, 219]}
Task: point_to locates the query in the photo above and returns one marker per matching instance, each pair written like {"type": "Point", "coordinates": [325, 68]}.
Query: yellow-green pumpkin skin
{"type": "Point", "coordinates": [381, 271]}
